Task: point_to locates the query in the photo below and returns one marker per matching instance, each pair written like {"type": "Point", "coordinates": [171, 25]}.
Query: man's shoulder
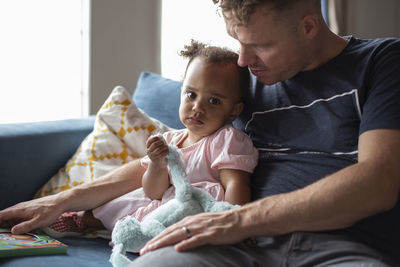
{"type": "Point", "coordinates": [373, 45]}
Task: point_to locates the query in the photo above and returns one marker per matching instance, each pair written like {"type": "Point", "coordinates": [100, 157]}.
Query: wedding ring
{"type": "Point", "coordinates": [187, 231]}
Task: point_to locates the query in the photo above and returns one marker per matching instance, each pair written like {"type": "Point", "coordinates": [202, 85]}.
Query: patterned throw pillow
{"type": "Point", "coordinates": [119, 136]}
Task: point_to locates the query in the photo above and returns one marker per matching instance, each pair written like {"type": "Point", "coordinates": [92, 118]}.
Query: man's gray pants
{"type": "Point", "coordinates": [297, 249]}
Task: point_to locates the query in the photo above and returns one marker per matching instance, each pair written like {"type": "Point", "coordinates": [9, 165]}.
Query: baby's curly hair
{"type": "Point", "coordinates": [220, 55]}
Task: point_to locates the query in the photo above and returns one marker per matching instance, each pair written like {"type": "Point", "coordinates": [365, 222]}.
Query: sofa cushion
{"type": "Point", "coordinates": [159, 98]}
{"type": "Point", "coordinates": [119, 135]}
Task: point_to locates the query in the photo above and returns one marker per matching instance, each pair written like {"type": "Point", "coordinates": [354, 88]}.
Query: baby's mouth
{"type": "Point", "coordinates": [193, 120]}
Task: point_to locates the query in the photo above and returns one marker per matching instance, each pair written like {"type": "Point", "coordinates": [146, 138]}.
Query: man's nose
{"type": "Point", "coordinates": [245, 57]}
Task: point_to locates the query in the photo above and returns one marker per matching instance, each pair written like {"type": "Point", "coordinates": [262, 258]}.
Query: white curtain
{"type": "Point", "coordinates": [338, 16]}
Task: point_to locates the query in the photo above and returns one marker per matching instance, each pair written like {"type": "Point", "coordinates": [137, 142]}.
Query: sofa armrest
{"type": "Point", "coordinates": [30, 153]}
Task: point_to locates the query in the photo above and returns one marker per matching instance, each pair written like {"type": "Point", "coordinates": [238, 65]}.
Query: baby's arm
{"type": "Point", "coordinates": [237, 186]}
{"type": "Point", "coordinates": [155, 180]}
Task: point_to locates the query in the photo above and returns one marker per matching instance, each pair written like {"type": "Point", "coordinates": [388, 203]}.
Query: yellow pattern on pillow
{"type": "Point", "coordinates": [119, 136]}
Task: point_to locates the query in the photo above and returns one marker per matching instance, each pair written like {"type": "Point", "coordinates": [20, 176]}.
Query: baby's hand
{"type": "Point", "coordinates": [157, 150]}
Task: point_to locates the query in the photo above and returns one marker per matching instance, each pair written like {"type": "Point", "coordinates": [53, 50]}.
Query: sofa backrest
{"type": "Point", "coordinates": [159, 97]}
{"type": "Point", "coordinates": [30, 153]}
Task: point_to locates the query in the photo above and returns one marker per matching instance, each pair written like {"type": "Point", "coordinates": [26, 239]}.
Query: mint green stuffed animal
{"type": "Point", "coordinates": [130, 234]}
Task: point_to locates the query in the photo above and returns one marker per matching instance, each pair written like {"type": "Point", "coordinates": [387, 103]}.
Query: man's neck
{"type": "Point", "coordinates": [328, 47]}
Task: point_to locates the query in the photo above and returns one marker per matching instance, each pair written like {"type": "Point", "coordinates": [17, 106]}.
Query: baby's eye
{"type": "Point", "coordinates": [191, 95]}
{"type": "Point", "coordinates": [214, 101]}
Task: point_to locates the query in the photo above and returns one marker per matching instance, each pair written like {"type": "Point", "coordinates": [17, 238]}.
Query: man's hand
{"type": "Point", "coordinates": [26, 216]}
{"type": "Point", "coordinates": [201, 229]}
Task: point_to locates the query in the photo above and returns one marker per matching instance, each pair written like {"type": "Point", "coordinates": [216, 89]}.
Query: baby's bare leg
{"type": "Point", "coordinates": [90, 221]}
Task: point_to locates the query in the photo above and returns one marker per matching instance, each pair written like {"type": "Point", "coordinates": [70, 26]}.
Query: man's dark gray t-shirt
{"type": "Point", "coordinates": [308, 127]}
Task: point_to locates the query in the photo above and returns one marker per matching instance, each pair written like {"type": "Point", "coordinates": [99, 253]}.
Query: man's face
{"type": "Point", "coordinates": [272, 49]}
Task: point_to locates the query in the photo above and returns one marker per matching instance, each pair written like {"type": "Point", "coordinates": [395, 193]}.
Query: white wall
{"type": "Point", "coordinates": [124, 41]}
{"type": "Point", "coordinates": [372, 18]}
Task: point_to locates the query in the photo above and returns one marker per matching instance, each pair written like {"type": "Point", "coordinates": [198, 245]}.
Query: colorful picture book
{"type": "Point", "coordinates": [28, 244]}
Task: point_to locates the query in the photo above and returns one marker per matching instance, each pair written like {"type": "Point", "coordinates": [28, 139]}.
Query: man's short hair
{"type": "Point", "coordinates": [240, 10]}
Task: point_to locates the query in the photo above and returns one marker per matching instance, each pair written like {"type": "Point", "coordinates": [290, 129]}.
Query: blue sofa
{"type": "Point", "coordinates": [31, 153]}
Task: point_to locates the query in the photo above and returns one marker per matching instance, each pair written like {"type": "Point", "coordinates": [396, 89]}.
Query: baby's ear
{"type": "Point", "coordinates": [236, 110]}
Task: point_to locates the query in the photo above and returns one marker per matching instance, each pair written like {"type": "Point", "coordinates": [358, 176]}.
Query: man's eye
{"type": "Point", "coordinates": [191, 95]}
{"type": "Point", "coordinates": [214, 101]}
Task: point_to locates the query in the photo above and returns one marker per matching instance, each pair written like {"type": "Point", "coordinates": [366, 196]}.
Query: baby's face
{"type": "Point", "coordinates": [210, 97]}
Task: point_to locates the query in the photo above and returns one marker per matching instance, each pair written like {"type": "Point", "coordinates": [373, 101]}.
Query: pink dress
{"type": "Point", "coordinates": [228, 148]}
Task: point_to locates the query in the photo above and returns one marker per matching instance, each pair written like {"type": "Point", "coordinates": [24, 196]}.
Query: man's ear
{"type": "Point", "coordinates": [309, 25]}
{"type": "Point", "coordinates": [237, 109]}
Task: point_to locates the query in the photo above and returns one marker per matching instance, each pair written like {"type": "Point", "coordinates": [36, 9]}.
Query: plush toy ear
{"type": "Point", "coordinates": [118, 258]}
{"type": "Point", "coordinates": [179, 179]}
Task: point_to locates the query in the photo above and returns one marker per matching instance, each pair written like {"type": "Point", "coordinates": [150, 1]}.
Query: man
{"type": "Point", "coordinates": [325, 116]}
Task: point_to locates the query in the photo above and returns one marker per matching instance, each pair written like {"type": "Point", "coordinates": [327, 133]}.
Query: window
{"type": "Point", "coordinates": [43, 65]}
{"type": "Point", "coordinates": [186, 20]}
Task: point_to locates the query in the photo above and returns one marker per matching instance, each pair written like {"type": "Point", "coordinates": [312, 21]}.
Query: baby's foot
{"type": "Point", "coordinates": [68, 224]}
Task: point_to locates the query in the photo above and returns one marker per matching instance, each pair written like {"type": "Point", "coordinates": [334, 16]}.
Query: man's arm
{"type": "Point", "coordinates": [336, 201]}
{"type": "Point", "coordinates": [41, 212]}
